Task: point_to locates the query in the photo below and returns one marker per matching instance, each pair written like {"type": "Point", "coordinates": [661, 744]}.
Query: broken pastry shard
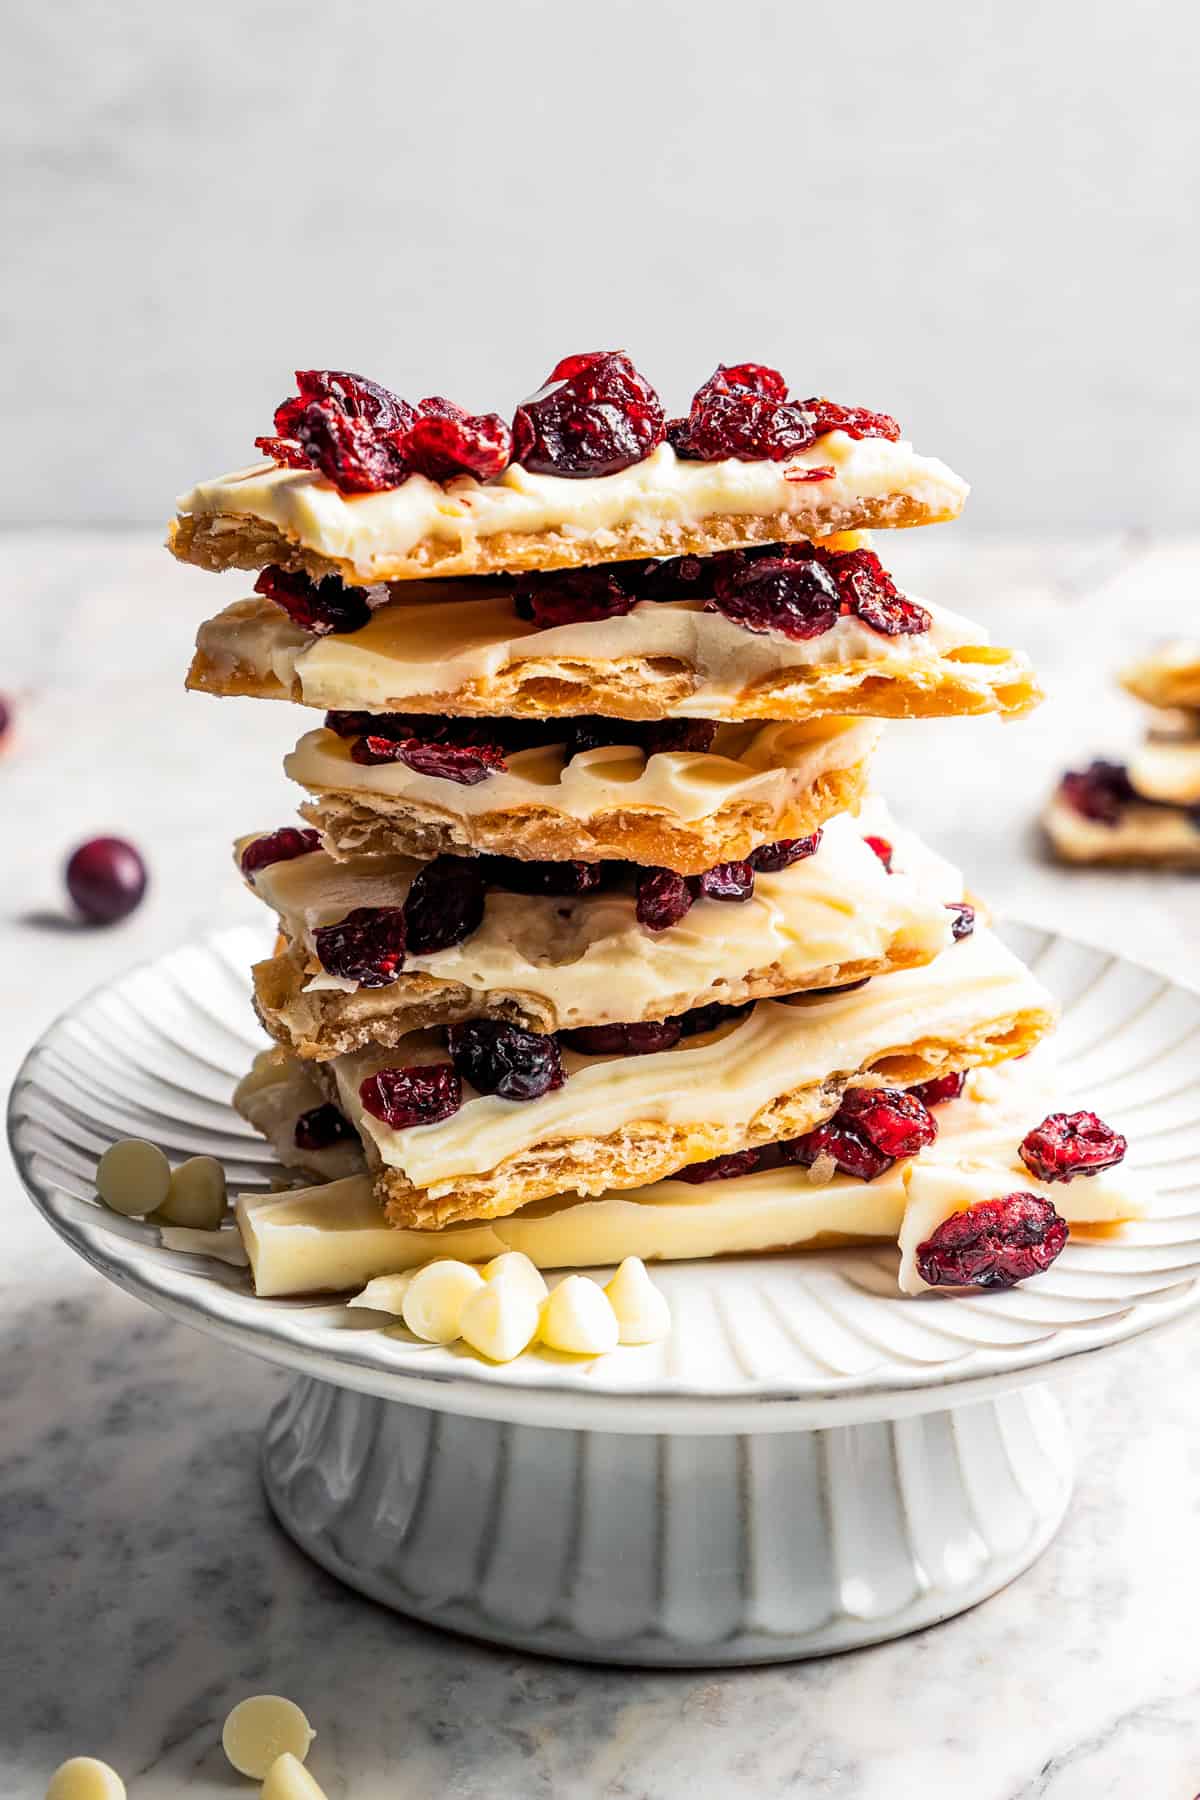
{"type": "Point", "coordinates": [684, 810]}
{"type": "Point", "coordinates": [1168, 677]}
{"type": "Point", "coordinates": [451, 650]}
{"type": "Point", "coordinates": [550, 961]}
{"type": "Point", "coordinates": [335, 1237]}
{"type": "Point", "coordinates": [662, 506]}
{"type": "Point", "coordinates": [621, 1121]}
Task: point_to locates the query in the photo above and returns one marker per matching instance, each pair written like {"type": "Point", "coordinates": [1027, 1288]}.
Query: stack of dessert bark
{"type": "Point", "coordinates": [595, 942]}
{"type": "Point", "coordinates": [1145, 812]}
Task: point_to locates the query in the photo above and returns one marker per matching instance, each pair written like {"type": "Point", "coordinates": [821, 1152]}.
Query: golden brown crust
{"type": "Point", "coordinates": [379, 824]}
{"type": "Point", "coordinates": [649, 1150]}
{"type": "Point", "coordinates": [1116, 850]}
{"type": "Point", "coordinates": [327, 1023]}
{"type": "Point", "coordinates": [239, 541]}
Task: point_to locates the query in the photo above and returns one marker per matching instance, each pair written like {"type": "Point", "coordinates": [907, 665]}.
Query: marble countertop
{"type": "Point", "coordinates": [144, 1586]}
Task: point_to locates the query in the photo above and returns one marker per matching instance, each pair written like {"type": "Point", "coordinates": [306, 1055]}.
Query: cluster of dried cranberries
{"type": "Point", "coordinates": [664, 898]}
{"type": "Point", "coordinates": [745, 412]}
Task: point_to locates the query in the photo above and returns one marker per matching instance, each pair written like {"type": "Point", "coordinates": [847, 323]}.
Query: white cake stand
{"type": "Point", "coordinates": [809, 1463]}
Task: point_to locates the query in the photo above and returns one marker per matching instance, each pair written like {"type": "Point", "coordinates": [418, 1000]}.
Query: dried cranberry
{"type": "Point", "coordinates": [963, 923]}
{"type": "Point", "coordinates": [356, 457]}
{"type": "Point", "coordinates": [883, 850]}
{"type": "Point", "coordinates": [505, 1060]}
{"type": "Point", "coordinates": [663, 898]}
{"type": "Point", "coordinates": [355, 724]}
{"type": "Point", "coordinates": [707, 1018]}
{"type": "Point", "coordinates": [565, 878]}
{"type": "Point", "coordinates": [720, 1168]}
{"type": "Point", "coordinates": [282, 451]}
{"type": "Point", "coordinates": [6, 717]}
{"type": "Point", "coordinates": [595, 415]}
{"type": "Point", "coordinates": [1099, 792]}
{"type": "Point", "coordinates": [653, 736]}
{"type": "Point", "coordinates": [354, 397]}
{"type": "Point", "coordinates": [446, 441]}
{"type": "Point", "coordinates": [278, 846]}
{"type": "Point", "coordinates": [106, 879]}
{"type": "Point", "coordinates": [366, 946]}
{"type": "Point", "coordinates": [768, 859]}
{"type": "Point", "coordinates": [840, 987]}
{"type": "Point", "coordinates": [855, 421]}
{"type": "Point", "coordinates": [643, 1038]}
{"type": "Point", "coordinates": [728, 881]}
{"type": "Point", "coordinates": [852, 1153]}
{"type": "Point", "coordinates": [1068, 1144]}
{"type": "Point", "coordinates": [896, 1122]}
{"type": "Point", "coordinates": [679, 578]}
{"type": "Point", "coordinates": [467, 764]}
{"type": "Point", "coordinates": [994, 1244]}
{"type": "Point", "coordinates": [572, 597]}
{"type": "Point", "coordinates": [941, 1088]}
{"type": "Point", "coordinates": [319, 606]}
{"type": "Point", "coordinates": [322, 1127]}
{"type": "Point", "coordinates": [420, 1095]}
{"type": "Point", "coordinates": [444, 905]}
{"type": "Point", "coordinates": [736, 423]}
{"type": "Point", "coordinates": [799, 600]}
{"type": "Point", "coordinates": [742, 379]}
{"type": "Point", "coordinates": [868, 591]}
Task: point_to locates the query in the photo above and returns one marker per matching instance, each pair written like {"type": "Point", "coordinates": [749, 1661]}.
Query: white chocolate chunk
{"type": "Point", "coordinates": [500, 1319]}
{"type": "Point", "coordinates": [433, 1306]}
{"type": "Point", "coordinates": [262, 1729]}
{"type": "Point", "coordinates": [578, 1318]}
{"type": "Point", "coordinates": [85, 1778]}
{"type": "Point", "coordinates": [196, 1197]}
{"type": "Point", "coordinates": [133, 1177]}
{"type": "Point", "coordinates": [643, 1316]}
{"type": "Point", "coordinates": [288, 1779]}
{"type": "Point", "coordinates": [515, 1266]}
{"type": "Point", "coordinates": [386, 1293]}
{"type": "Point", "coordinates": [226, 1246]}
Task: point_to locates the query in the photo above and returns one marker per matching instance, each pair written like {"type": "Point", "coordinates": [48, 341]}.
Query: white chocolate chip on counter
{"type": "Point", "coordinates": [433, 1306]}
{"type": "Point", "coordinates": [196, 1197]}
{"type": "Point", "coordinates": [288, 1779]}
{"type": "Point", "coordinates": [643, 1316]}
{"type": "Point", "coordinates": [386, 1293]}
{"type": "Point", "coordinates": [500, 1319]}
{"type": "Point", "coordinates": [514, 1265]}
{"type": "Point", "coordinates": [578, 1318]}
{"type": "Point", "coordinates": [133, 1177]}
{"type": "Point", "coordinates": [262, 1729]}
{"type": "Point", "coordinates": [85, 1778]}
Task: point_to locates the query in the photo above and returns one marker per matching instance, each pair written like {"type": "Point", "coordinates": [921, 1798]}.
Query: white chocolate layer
{"type": "Point", "coordinates": [661, 491]}
{"type": "Point", "coordinates": [588, 957]}
{"type": "Point", "coordinates": [717, 1078]}
{"type": "Point", "coordinates": [1167, 769]}
{"type": "Point", "coordinates": [271, 1095]}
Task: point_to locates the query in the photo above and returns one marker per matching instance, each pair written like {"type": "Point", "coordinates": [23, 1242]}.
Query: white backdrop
{"type": "Point", "coordinates": [980, 217]}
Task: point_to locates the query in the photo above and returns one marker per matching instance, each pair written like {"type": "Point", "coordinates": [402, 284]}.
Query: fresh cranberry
{"type": "Point", "coordinates": [768, 859]}
{"type": "Point", "coordinates": [572, 597]}
{"type": "Point", "coordinates": [719, 1168]}
{"type": "Point", "coordinates": [555, 878]}
{"type": "Point", "coordinates": [994, 1244]}
{"type": "Point", "coordinates": [1099, 792]}
{"type": "Point", "coordinates": [322, 607]}
{"type": "Point", "coordinates": [505, 1060]}
{"type": "Point", "coordinates": [444, 906]}
{"type": "Point", "coordinates": [653, 736]}
{"type": "Point", "coordinates": [322, 1127]}
{"type": "Point", "coordinates": [639, 1039]}
{"type": "Point", "coordinates": [366, 946]}
{"type": "Point", "coordinates": [468, 765]}
{"type": "Point", "coordinates": [799, 600]}
{"type": "Point", "coordinates": [855, 421]}
{"type": "Point", "coordinates": [883, 850]}
{"type": "Point", "coordinates": [941, 1088]}
{"type": "Point", "coordinates": [278, 846]}
{"type": "Point", "coordinates": [896, 1122]}
{"type": "Point", "coordinates": [595, 415]}
{"type": "Point", "coordinates": [1068, 1144]}
{"type": "Point", "coordinates": [852, 1153]}
{"type": "Point", "coordinates": [703, 1019]}
{"type": "Point", "coordinates": [663, 898]}
{"type": "Point", "coordinates": [868, 591]}
{"type": "Point", "coordinates": [963, 923]}
{"type": "Point", "coordinates": [420, 1095]}
{"type": "Point", "coordinates": [728, 881]}
{"type": "Point", "coordinates": [106, 878]}
{"type": "Point", "coordinates": [445, 441]}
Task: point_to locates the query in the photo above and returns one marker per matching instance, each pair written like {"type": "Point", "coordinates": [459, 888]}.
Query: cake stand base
{"type": "Point", "coordinates": [670, 1550]}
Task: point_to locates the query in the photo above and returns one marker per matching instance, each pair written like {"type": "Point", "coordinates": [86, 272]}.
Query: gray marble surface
{"type": "Point", "coordinates": [144, 1588]}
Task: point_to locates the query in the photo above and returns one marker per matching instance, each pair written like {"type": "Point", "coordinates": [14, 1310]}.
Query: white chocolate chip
{"type": "Point", "coordinates": [514, 1265]}
{"type": "Point", "coordinates": [500, 1319]}
{"type": "Point", "coordinates": [261, 1729]}
{"type": "Point", "coordinates": [196, 1197]}
{"type": "Point", "coordinates": [386, 1293]}
{"type": "Point", "coordinates": [84, 1778]}
{"type": "Point", "coordinates": [288, 1779]}
{"type": "Point", "coordinates": [643, 1316]}
{"type": "Point", "coordinates": [133, 1177]}
{"type": "Point", "coordinates": [578, 1318]}
{"type": "Point", "coordinates": [433, 1306]}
